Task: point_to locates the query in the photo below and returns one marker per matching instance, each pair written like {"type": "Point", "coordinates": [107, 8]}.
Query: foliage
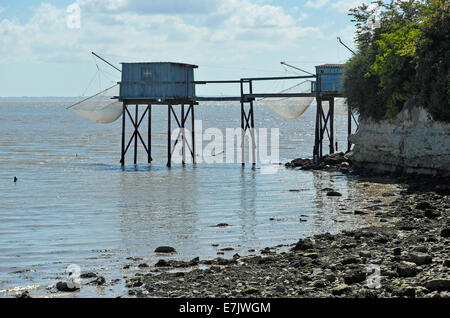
{"type": "Point", "coordinates": [408, 54]}
{"type": "Point", "coordinates": [433, 61]}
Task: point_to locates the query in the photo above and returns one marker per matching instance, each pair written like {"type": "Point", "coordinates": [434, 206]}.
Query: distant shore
{"type": "Point", "coordinates": [407, 255]}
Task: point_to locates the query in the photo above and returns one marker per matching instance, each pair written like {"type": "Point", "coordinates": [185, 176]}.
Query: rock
{"type": "Point", "coordinates": [330, 277]}
{"type": "Point", "coordinates": [221, 225]}
{"type": "Point", "coordinates": [397, 251]}
{"type": "Point", "coordinates": [359, 212]}
{"type": "Point", "coordinates": [320, 284]}
{"type": "Point", "coordinates": [432, 214]}
{"type": "Point", "coordinates": [406, 291]}
{"type": "Point", "coordinates": [341, 289]}
{"type": "Point", "coordinates": [165, 249]}
{"type": "Point", "coordinates": [351, 260]}
{"type": "Point", "coordinates": [420, 258]}
{"type": "Point", "coordinates": [407, 269]}
{"type": "Point", "coordinates": [250, 291]}
{"type": "Point", "coordinates": [421, 249]}
{"type": "Point", "coordinates": [280, 289]}
{"type": "Point", "coordinates": [443, 189]}
{"type": "Point", "coordinates": [355, 276]}
{"type": "Point", "coordinates": [99, 281]}
{"type": "Point", "coordinates": [334, 194]}
{"type": "Point", "coordinates": [445, 232]}
{"type": "Point", "coordinates": [25, 294]}
{"type": "Point", "coordinates": [62, 286]}
{"type": "Point", "coordinates": [194, 261]}
{"type": "Point", "coordinates": [423, 206]}
{"type": "Point", "coordinates": [88, 275]}
{"type": "Point", "coordinates": [438, 285]}
{"type": "Point", "coordinates": [447, 262]}
{"type": "Point", "coordinates": [365, 254]}
{"type": "Point", "coordinates": [162, 263]}
{"type": "Point", "coordinates": [143, 265]}
{"type": "Point", "coordinates": [15, 179]}
{"type": "Point", "coordinates": [303, 245]}
{"type": "Point", "coordinates": [381, 239]}
{"type": "Point", "coordinates": [311, 255]}
{"type": "Point", "coordinates": [222, 261]}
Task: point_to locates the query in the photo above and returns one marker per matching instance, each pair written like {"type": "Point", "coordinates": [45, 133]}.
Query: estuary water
{"type": "Point", "coordinates": [74, 204]}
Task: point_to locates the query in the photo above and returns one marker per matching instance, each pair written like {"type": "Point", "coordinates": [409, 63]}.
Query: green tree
{"type": "Point", "coordinates": [433, 60]}
{"type": "Point", "coordinates": [407, 55]}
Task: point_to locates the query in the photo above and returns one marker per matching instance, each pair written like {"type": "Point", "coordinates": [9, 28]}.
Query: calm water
{"type": "Point", "coordinates": [74, 204]}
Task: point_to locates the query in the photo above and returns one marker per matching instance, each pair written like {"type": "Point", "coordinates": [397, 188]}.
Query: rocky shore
{"type": "Point", "coordinates": [338, 162]}
{"type": "Point", "coordinates": [406, 255]}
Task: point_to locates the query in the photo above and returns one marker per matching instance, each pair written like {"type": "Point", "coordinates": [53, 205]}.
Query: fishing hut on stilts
{"type": "Point", "coordinates": [161, 83]}
{"type": "Point", "coordinates": [144, 85]}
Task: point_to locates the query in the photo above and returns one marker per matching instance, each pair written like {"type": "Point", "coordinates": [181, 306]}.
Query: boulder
{"type": "Point", "coordinates": [407, 269]}
{"type": "Point", "coordinates": [165, 249]}
{"type": "Point", "coordinates": [438, 285]}
{"type": "Point", "coordinates": [420, 258]}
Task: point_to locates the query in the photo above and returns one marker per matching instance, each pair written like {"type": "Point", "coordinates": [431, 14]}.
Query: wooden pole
{"type": "Point", "coordinates": [149, 136]}
{"type": "Point", "coordinates": [320, 129]}
{"type": "Point", "coordinates": [349, 127]}
{"type": "Point", "coordinates": [331, 111]}
{"type": "Point", "coordinates": [242, 125]}
{"type": "Point", "coordinates": [193, 134]}
{"type": "Point", "coordinates": [122, 157]}
{"type": "Point", "coordinates": [136, 134]}
{"type": "Point", "coordinates": [183, 139]}
{"type": "Point", "coordinates": [252, 123]}
{"type": "Point", "coordinates": [169, 150]}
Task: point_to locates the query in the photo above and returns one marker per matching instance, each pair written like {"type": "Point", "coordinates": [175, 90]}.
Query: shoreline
{"type": "Point", "coordinates": [402, 252]}
{"type": "Point", "coordinates": [407, 256]}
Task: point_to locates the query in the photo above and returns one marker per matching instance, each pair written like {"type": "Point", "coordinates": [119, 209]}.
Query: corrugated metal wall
{"type": "Point", "coordinates": [157, 81]}
{"type": "Point", "coordinates": [331, 80]}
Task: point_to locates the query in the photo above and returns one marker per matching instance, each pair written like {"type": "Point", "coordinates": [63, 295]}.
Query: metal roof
{"type": "Point", "coordinates": [184, 64]}
{"type": "Point", "coordinates": [331, 66]}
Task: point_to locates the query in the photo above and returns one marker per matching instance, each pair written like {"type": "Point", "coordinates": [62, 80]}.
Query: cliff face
{"type": "Point", "coordinates": [412, 143]}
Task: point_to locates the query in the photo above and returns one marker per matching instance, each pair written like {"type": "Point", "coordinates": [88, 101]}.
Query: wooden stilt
{"type": "Point", "coordinates": [320, 129]}
{"type": "Point", "coordinates": [183, 138]}
{"type": "Point", "coordinates": [242, 125]}
{"type": "Point", "coordinates": [349, 127]}
{"type": "Point", "coordinates": [149, 134]}
{"type": "Point", "coordinates": [331, 114]}
{"type": "Point", "coordinates": [193, 134]}
{"type": "Point", "coordinates": [169, 141]}
{"type": "Point", "coordinates": [252, 127]}
{"type": "Point", "coordinates": [136, 129]}
{"type": "Point", "coordinates": [122, 157]}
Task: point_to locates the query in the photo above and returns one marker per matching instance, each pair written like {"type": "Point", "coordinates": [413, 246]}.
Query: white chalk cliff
{"type": "Point", "coordinates": [411, 143]}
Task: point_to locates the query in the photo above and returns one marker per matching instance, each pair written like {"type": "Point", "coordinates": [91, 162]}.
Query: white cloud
{"type": "Point", "coordinates": [316, 4]}
{"type": "Point", "coordinates": [345, 5]}
{"type": "Point", "coordinates": [146, 7]}
{"type": "Point", "coordinates": [340, 5]}
{"type": "Point", "coordinates": [107, 27]}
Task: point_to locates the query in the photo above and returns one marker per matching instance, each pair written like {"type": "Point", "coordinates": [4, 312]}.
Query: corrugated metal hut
{"type": "Point", "coordinates": [332, 76]}
{"type": "Point", "coordinates": [159, 81]}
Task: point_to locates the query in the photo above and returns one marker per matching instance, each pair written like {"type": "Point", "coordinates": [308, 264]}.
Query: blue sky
{"type": "Point", "coordinates": [44, 52]}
